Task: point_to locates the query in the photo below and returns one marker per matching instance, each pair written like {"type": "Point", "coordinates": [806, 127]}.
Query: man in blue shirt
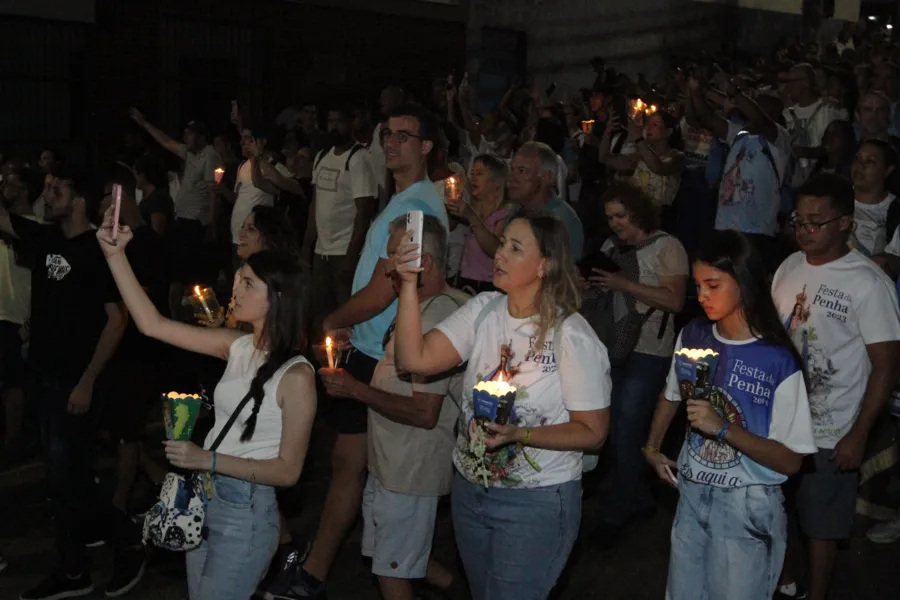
{"type": "Point", "coordinates": [532, 177]}
{"type": "Point", "coordinates": [409, 136]}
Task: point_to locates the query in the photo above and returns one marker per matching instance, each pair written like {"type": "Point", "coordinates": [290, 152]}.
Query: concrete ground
{"type": "Point", "coordinates": [635, 569]}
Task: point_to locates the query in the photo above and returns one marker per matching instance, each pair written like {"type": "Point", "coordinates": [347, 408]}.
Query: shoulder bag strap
{"type": "Point", "coordinates": [221, 437]}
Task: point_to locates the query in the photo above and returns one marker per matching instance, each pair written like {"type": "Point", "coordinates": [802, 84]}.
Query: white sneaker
{"type": "Point", "coordinates": [885, 533]}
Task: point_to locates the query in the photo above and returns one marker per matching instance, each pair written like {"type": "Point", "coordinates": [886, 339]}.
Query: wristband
{"type": "Point", "coordinates": [723, 432]}
{"type": "Point", "coordinates": [212, 470]}
{"type": "Point", "coordinates": [649, 448]}
{"type": "Point", "coordinates": [527, 436]}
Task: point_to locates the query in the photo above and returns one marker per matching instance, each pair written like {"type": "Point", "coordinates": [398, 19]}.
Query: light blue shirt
{"type": "Point", "coordinates": [564, 212]}
{"type": "Point", "coordinates": [367, 337]}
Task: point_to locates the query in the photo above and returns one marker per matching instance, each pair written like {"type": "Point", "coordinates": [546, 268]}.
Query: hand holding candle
{"type": "Point", "coordinates": [218, 174]}
{"type": "Point", "coordinates": [329, 350]}
{"type": "Point", "coordinates": [180, 413]}
{"type": "Point", "coordinates": [206, 307]}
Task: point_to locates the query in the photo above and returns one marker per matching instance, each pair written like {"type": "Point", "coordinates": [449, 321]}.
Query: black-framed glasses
{"type": "Point", "coordinates": [811, 227]}
{"type": "Point", "coordinates": [400, 135]}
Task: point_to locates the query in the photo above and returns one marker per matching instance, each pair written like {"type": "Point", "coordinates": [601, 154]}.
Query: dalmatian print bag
{"type": "Point", "coordinates": [175, 522]}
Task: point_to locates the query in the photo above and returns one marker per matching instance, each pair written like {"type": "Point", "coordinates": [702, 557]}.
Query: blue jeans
{"type": "Point", "coordinates": [727, 543]}
{"type": "Point", "coordinates": [514, 543]}
{"type": "Point", "coordinates": [635, 390]}
{"type": "Point", "coordinates": [242, 526]}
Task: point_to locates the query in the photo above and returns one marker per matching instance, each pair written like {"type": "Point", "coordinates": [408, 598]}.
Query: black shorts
{"type": "Point", "coordinates": [127, 390]}
{"type": "Point", "coordinates": [346, 415]}
{"type": "Point", "coordinates": [826, 498]}
{"type": "Point", "coordinates": [12, 366]}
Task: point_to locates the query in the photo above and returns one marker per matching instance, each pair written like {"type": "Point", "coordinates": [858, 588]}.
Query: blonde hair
{"type": "Point", "coordinates": [559, 295]}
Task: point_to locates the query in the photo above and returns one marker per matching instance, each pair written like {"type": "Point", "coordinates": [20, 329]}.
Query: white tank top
{"type": "Point", "coordinates": [243, 362]}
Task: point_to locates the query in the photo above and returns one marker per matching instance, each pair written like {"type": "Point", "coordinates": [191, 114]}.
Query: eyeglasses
{"type": "Point", "coordinates": [811, 227]}
{"type": "Point", "coordinates": [401, 136]}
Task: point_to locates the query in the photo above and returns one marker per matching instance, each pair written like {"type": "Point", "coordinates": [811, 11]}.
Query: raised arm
{"type": "Point", "coordinates": [160, 136]}
{"type": "Point", "coordinates": [366, 303]}
{"type": "Point", "coordinates": [213, 342]}
{"type": "Point", "coordinates": [703, 112]}
{"type": "Point", "coordinates": [428, 355]}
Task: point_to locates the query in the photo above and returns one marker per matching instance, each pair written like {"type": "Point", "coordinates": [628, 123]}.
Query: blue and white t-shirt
{"type": "Point", "coordinates": [749, 193]}
{"type": "Point", "coordinates": [754, 385]}
{"type": "Point", "coordinates": [367, 337]}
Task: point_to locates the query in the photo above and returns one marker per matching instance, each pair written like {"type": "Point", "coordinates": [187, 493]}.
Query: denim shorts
{"type": "Point", "coordinates": [727, 543]}
{"type": "Point", "coordinates": [514, 543]}
{"type": "Point", "coordinates": [242, 525]}
{"type": "Point", "coordinates": [397, 531]}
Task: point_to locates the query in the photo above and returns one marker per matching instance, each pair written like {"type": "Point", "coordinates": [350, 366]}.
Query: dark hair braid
{"type": "Point", "coordinates": [283, 328]}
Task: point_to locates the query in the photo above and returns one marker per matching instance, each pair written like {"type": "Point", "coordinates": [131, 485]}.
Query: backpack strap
{"type": "Point", "coordinates": [320, 156]}
{"type": "Point", "coordinates": [767, 152]}
{"type": "Point", "coordinates": [356, 148]}
{"type": "Point", "coordinates": [490, 306]}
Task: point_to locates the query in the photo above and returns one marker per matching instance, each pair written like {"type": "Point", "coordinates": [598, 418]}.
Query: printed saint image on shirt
{"type": "Point", "coordinates": [819, 366]}
{"type": "Point", "coordinates": [735, 189]}
{"type": "Point", "coordinates": [709, 451]}
{"type": "Point", "coordinates": [57, 267]}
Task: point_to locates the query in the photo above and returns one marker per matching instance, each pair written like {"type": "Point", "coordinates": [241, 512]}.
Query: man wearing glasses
{"type": "Point", "coordinates": [841, 311]}
{"type": "Point", "coordinates": [408, 138]}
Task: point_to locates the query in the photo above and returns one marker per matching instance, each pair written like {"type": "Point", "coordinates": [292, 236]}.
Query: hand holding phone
{"type": "Point", "coordinates": [117, 207]}
{"type": "Point", "coordinates": [415, 221]}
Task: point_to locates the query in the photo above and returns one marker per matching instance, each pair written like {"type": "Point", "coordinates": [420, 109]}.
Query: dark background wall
{"type": "Point", "coordinates": [70, 83]}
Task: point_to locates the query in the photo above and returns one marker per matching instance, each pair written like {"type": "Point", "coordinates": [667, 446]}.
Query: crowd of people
{"type": "Point", "coordinates": [727, 240]}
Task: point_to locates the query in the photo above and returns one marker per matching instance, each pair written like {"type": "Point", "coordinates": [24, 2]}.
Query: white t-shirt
{"type": "Point", "coordinates": [15, 284]}
{"type": "Point", "coordinates": [806, 126]}
{"type": "Point", "coordinates": [697, 143]}
{"type": "Point", "coordinates": [243, 362]}
{"type": "Point", "coordinates": [248, 196]}
{"type": "Point", "coordinates": [337, 189]}
{"type": "Point", "coordinates": [192, 199]}
{"type": "Point", "coordinates": [548, 385]}
{"type": "Point", "coordinates": [832, 312]}
{"type": "Point", "coordinates": [893, 246]}
{"type": "Point", "coordinates": [870, 234]}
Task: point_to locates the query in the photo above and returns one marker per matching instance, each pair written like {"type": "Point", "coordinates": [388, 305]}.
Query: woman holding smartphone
{"type": "Point", "coordinates": [750, 426]}
{"type": "Point", "coordinates": [266, 446]}
{"type": "Point", "coordinates": [517, 507]}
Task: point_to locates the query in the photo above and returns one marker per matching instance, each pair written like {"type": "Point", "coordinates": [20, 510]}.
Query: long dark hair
{"type": "Point", "coordinates": [731, 252]}
{"type": "Point", "coordinates": [283, 327]}
{"type": "Point", "coordinates": [276, 229]}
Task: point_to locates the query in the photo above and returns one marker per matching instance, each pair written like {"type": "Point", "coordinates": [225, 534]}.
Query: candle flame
{"type": "Point", "coordinates": [220, 170]}
{"type": "Point", "coordinates": [197, 291]}
{"type": "Point", "coordinates": [696, 353]}
{"type": "Point", "coordinates": [500, 377]}
{"type": "Point", "coordinates": [328, 342]}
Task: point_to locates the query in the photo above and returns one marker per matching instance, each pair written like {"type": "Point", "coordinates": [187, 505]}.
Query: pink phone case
{"type": "Point", "coordinates": [117, 200]}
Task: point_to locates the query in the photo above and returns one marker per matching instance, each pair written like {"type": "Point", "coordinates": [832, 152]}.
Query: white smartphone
{"type": "Point", "coordinates": [117, 207]}
{"type": "Point", "coordinates": [671, 474]}
{"type": "Point", "coordinates": [415, 220]}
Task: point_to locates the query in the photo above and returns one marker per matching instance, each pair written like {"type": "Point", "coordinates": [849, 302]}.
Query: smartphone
{"type": "Point", "coordinates": [415, 219]}
{"type": "Point", "coordinates": [550, 89]}
{"type": "Point", "coordinates": [597, 261]}
{"type": "Point", "coordinates": [671, 474]}
{"type": "Point", "coordinates": [117, 207]}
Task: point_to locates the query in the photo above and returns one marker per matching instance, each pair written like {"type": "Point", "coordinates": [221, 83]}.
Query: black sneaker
{"type": "Point", "coordinates": [282, 571]}
{"type": "Point", "coordinates": [128, 568]}
{"type": "Point", "coordinates": [57, 587]}
{"type": "Point", "coordinates": [303, 586]}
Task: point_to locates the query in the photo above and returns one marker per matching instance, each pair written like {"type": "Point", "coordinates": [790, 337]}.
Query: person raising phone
{"type": "Point", "coordinates": [750, 424]}
{"type": "Point", "coordinates": [273, 388]}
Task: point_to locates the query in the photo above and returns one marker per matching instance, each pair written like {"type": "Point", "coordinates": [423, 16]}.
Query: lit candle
{"type": "Point", "coordinates": [218, 174]}
{"type": "Point", "coordinates": [451, 190]}
{"type": "Point", "coordinates": [651, 110]}
{"type": "Point", "coordinates": [587, 126]}
{"type": "Point", "coordinates": [494, 400]}
{"type": "Point", "coordinates": [329, 350]}
{"type": "Point", "coordinates": [696, 369]}
{"type": "Point", "coordinates": [203, 302]}
{"type": "Point", "coordinates": [180, 413]}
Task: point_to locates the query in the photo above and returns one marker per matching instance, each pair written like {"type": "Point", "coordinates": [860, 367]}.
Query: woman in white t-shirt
{"type": "Point", "coordinates": [749, 427]}
{"type": "Point", "coordinates": [652, 281]}
{"type": "Point", "coordinates": [271, 384]}
{"type": "Point", "coordinates": [874, 161]}
{"type": "Point", "coordinates": [517, 493]}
